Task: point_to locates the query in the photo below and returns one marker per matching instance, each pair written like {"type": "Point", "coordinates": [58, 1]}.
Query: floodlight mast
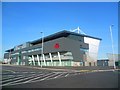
{"type": "Point", "coordinates": [42, 49]}
{"type": "Point", "coordinates": [78, 30]}
{"type": "Point", "coordinates": [112, 44]}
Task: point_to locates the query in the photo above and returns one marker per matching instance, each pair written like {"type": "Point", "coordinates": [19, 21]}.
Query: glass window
{"type": "Point", "coordinates": [24, 51]}
{"type": "Point", "coordinates": [24, 57]}
{"type": "Point", "coordinates": [84, 49]}
{"type": "Point", "coordinates": [14, 57]}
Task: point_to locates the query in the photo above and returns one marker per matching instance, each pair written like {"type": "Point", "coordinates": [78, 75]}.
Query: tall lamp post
{"type": "Point", "coordinates": [112, 45]}
{"type": "Point", "coordinates": [42, 49]}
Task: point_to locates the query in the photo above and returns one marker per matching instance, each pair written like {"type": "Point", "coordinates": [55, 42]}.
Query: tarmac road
{"type": "Point", "coordinates": [57, 79]}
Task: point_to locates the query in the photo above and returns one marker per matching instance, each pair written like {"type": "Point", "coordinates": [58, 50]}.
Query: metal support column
{"type": "Point", "coordinates": [33, 60]}
{"type": "Point", "coordinates": [30, 61]}
{"type": "Point", "coordinates": [112, 45]}
{"type": "Point", "coordinates": [38, 60]}
{"type": "Point", "coordinates": [41, 60]}
{"type": "Point", "coordinates": [18, 60]}
{"type": "Point", "coordinates": [60, 63]}
{"type": "Point", "coordinates": [51, 59]}
{"type": "Point", "coordinates": [44, 59]}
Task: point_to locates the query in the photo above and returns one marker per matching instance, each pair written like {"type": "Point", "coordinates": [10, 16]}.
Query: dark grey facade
{"type": "Point", "coordinates": [59, 48]}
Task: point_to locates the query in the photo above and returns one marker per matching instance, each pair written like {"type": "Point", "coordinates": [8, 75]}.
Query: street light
{"type": "Point", "coordinates": [112, 44]}
{"type": "Point", "coordinates": [42, 49]}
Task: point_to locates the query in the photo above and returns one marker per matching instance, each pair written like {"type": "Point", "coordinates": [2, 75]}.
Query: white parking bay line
{"type": "Point", "coordinates": [66, 75]}
{"type": "Point", "coordinates": [48, 77]}
{"type": "Point", "coordinates": [38, 77]}
{"type": "Point", "coordinates": [26, 81]}
{"type": "Point", "coordinates": [35, 78]}
{"type": "Point", "coordinates": [16, 78]}
{"type": "Point", "coordinates": [8, 71]}
{"type": "Point", "coordinates": [21, 79]}
{"type": "Point", "coordinates": [59, 75]}
{"type": "Point", "coordinates": [31, 72]}
{"type": "Point", "coordinates": [6, 77]}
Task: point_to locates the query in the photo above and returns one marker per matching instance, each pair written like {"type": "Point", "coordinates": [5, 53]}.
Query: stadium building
{"type": "Point", "coordinates": [113, 58]}
{"type": "Point", "coordinates": [63, 48]}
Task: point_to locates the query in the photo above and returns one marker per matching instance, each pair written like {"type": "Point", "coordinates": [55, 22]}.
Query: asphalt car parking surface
{"type": "Point", "coordinates": [22, 77]}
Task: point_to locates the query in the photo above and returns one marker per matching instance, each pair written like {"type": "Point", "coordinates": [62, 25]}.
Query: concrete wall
{"type": "Point", "coordinates": [92, 54]}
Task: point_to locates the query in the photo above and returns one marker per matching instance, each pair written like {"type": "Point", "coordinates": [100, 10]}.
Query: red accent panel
{"type": "Point", "coordinates": [56, 46]}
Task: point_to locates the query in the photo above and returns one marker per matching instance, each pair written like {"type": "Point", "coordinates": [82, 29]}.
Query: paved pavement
{"type": "Point", "coordinates": [23, 77]}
